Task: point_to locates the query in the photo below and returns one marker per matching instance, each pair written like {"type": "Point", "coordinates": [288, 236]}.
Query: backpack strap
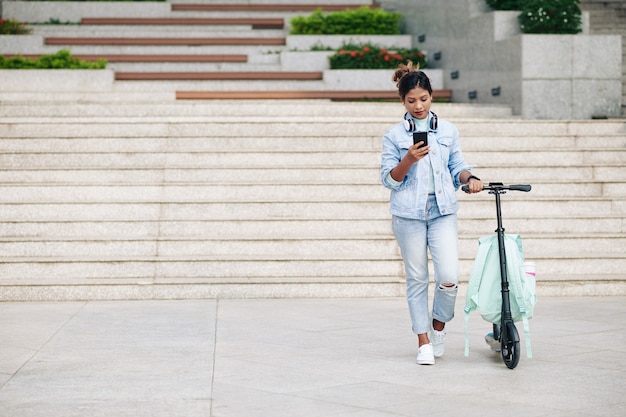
{"type": "Point", "coordinates": [467, 313]}
{"type": "Point", "coordinates": [473, 285]}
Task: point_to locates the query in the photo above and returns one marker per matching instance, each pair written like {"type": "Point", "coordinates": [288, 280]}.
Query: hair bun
{"type": "Point", "coordinates": [403, 70]}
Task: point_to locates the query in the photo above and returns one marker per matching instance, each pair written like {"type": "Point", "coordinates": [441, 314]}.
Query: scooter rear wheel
{"type": "Point", "coordinates": [509, 343]}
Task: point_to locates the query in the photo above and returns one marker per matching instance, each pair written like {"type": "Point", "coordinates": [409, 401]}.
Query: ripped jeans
{"type": "Point", "coordinates": [439, 235]}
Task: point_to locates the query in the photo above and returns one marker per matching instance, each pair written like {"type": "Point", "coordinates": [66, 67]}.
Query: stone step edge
{"type": "Point", "coordinates": [539, 236]}
{"type": "Point", "coordinates": [311, 289]}
{"type": "Point", "coordinates": [269, 259]}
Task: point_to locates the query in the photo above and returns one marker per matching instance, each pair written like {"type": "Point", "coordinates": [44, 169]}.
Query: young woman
{"type": "Point", "coordinates": [423, 179]}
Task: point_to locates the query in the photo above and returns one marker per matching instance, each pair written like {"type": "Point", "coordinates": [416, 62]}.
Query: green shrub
{"type": "Point", "coordinates": [361, 21]}
{"type": "Point", "coordinates": [54, 21]}
{"type": "Point", "coordinates": [551, 17]}
{"type": "Point", "coordinates": [368, 56]}
{"type": "Point", "coordinates": [60, 60]}
{"type": "Point", "coordinates": [505, 4]}
{"type": "Point", "coordinates": [13, 27]}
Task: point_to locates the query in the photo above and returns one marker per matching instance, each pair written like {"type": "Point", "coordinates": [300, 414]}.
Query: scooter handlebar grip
{"type": "Point", "coordinates": [520, 187]}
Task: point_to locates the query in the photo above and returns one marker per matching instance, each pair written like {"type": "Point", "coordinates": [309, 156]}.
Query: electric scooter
{"type": "Point", "coordinates": [505, 332]}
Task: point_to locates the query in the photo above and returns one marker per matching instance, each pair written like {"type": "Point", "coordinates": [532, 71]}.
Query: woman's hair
{"type": "Point", "coordinates": [408, 76]}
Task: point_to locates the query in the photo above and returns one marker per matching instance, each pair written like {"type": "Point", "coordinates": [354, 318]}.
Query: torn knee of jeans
{"type": "Point", "coordinates": [448, 286]}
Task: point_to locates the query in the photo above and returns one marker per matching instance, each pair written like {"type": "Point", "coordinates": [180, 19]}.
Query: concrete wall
{"type": "Point", "coordinates": [540, 76]}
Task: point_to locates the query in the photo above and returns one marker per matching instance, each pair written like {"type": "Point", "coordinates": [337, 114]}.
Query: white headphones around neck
{"type": "Point", "coordinates": [409, 123]}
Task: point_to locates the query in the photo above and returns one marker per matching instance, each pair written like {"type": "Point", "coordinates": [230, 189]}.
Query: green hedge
{"type": "Point", "coordinates": [505, 4]}
{"type": "Point", "coordinates": [361, 21]}
{"type": "Point", "coordinates": [551, 16]}
{"type": "Point", "coordinates": [367, 56]}
{"type": "Point", "coordinates": [560, 17]}
{"type": "Point", "coordinates": [60, 60]}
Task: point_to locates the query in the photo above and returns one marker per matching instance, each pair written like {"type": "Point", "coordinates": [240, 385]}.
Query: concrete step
{"type": "Point", "coordinates": [109, 97]}
{"type": "Point", "coordinates": [86, 211]}
{"type": "Point", "coordinates": [476, 219]}
{"type": "Point", "coordinates": [329, 248]}
{"type": "Point", "coordinates": [203, 193]}
{"type": "Point", "coordinates": [548, 176]}
{"type": "Point", "coordinates": [102, 271]}
{"type": "Point", "coordinates": [284, 108]}
{"type": "Point", "coordinates": [292, 159]}
{"type": "Point", "coordinates": [285, 127]}
{"type": "Point", "coordinates": [256, 63]}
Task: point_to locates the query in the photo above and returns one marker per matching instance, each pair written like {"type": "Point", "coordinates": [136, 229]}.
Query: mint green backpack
{"type": "Point", "coordinates": [484, 290]}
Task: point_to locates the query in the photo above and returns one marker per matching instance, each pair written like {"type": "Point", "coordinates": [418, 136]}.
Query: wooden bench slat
{"type": "Point", "coordinates": [221, 75]}
{"type": "Point", "coordinates": [165, 41]}
{"type": "Point", "coordinates": [259, 23]}
{"type": "Point", "coordinates": [267, 7]}
{"type": "Point", "coordinates": [439, 95]}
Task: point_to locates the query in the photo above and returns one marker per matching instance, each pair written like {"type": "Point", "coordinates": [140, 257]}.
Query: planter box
{"type": "Point", "coordinates": [56, 80]}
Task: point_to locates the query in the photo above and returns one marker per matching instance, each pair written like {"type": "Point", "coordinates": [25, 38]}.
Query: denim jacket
{"type": "Point", "coordinates": [408, 198]}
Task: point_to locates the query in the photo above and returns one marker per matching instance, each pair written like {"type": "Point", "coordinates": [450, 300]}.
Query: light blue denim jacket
{"type": "Point", "coordinates": [408, 198]}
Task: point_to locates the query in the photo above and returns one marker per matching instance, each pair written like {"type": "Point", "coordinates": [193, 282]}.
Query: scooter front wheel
{"type": "Point", "coordinates": [509, 343]}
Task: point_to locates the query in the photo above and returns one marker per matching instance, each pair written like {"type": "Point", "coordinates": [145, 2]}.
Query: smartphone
{"type": "Point", "coordinates": [420, 137]}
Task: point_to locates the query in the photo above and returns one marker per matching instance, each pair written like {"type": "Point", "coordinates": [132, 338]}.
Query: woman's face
{"type": "Point", "coordinates": [417, 102]}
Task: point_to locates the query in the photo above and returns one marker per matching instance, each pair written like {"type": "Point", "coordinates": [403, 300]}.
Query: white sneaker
{"type": "Point", "coordinates": [425, 355]}
{"type": "Point", "coordinates": [492, 342]}
{"type": "Point", "coordinates": [437, 339]}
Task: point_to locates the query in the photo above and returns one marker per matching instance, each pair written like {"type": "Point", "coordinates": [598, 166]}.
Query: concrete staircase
{"type": "Point", "coordinates": [280, 199]}
{"type": "Point", "coordinates": [132, 195]}
{"type": "Point", "coordinates": [609, 17]}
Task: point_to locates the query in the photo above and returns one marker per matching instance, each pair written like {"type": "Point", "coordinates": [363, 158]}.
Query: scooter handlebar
{"type": "Point", "coordinates": [498, 186]}
{"type": "Point", "coordinates": [520, 187]}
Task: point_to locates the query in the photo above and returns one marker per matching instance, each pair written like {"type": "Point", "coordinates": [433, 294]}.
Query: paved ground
{"type": "Point", "coordinates": [300, 358]}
